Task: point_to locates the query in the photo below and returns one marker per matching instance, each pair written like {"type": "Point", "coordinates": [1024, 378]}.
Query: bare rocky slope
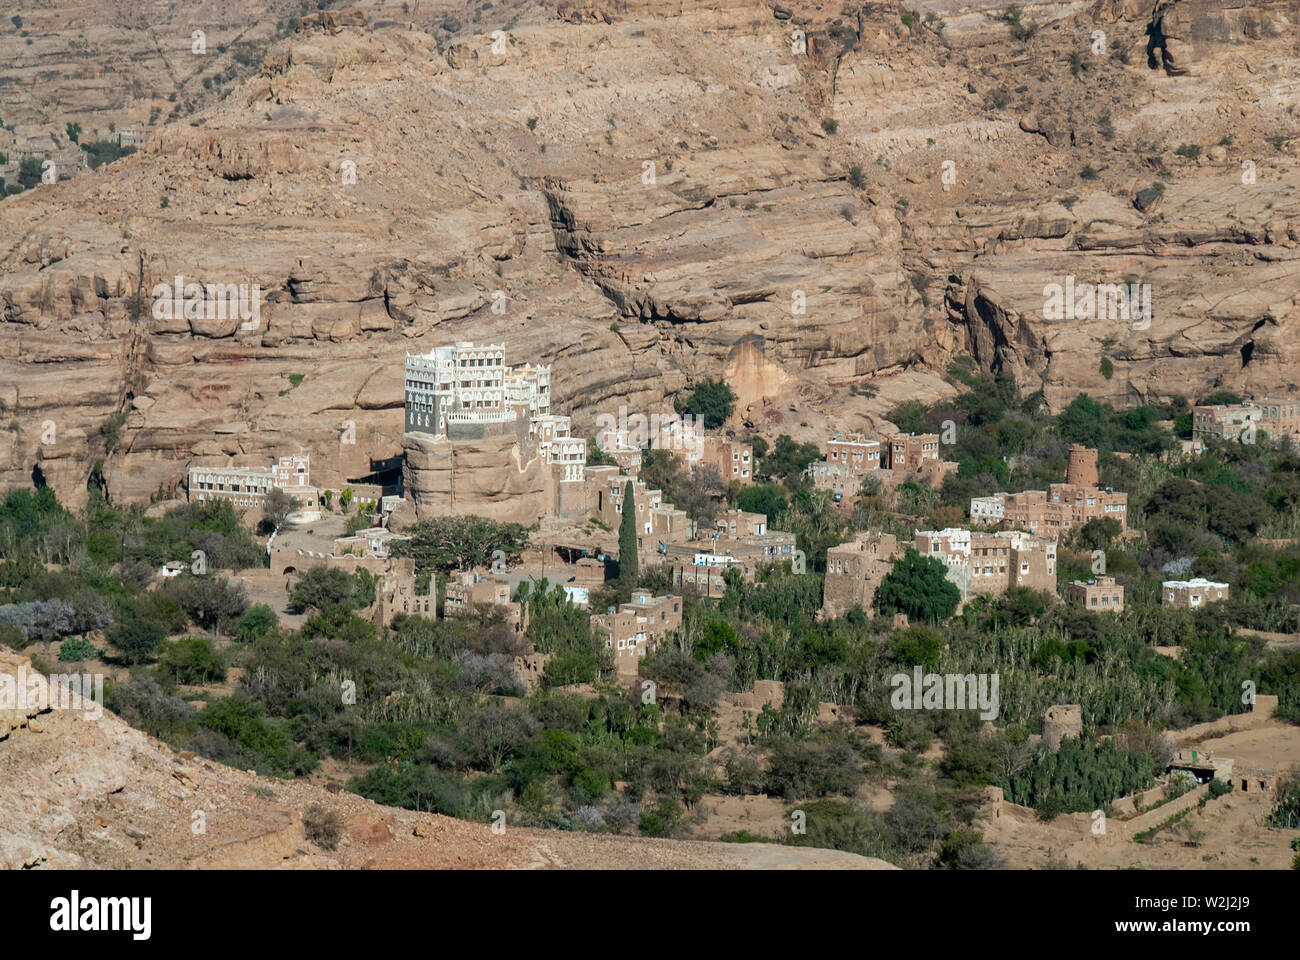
{"type": "Point", "coordinates": [522, 162]}
{"type": "Point", "coordinates": [84, 791]}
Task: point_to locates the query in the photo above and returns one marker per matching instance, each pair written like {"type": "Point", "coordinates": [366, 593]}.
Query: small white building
{"type": "Point", "coordinates": [1191, 594]}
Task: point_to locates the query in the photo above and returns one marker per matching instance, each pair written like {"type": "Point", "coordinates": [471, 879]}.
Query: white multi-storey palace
{"type": "Point", "coordinates": [471, 384]}
{"type": "Point", "coordinates": [467, 385]}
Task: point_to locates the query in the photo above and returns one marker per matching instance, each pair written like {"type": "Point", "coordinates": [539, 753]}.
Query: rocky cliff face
{"type": "Point", "coordinates": [442, 476]}
{"type": "Point", "coordinates": [654, 196]}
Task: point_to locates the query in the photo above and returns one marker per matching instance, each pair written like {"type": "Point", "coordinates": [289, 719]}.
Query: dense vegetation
{"type": "Point", "coordinates": [434, 715]}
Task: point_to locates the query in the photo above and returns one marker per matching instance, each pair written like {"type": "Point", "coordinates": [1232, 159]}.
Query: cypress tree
{"type": "Point", "coordinates": [627, 555]}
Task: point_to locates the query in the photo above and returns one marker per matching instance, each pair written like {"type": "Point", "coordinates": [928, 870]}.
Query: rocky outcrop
{"type": "Point", "coordinates": [443, 476]}
{"type": "Point", "coordinates": [653, 199]}
{"type": "Point", "coordinates": [1183, 31]}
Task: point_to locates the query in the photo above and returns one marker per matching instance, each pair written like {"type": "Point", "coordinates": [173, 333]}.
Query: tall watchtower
{"type": "Point", "coordinates": [1081, 470]}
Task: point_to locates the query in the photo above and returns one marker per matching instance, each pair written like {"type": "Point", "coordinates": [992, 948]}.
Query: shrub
{"type": "Point", "coordinates": [965, 850]}
{"type": "Point", "coordinates": [136, 640]}
{"type": "Point", "coordinates": [812, 768]}
{"type": "Point", "coordinates": [193, 660]}
{"type": "Point", "coordinates": [323, 827]}
{"type": "Point", "coordinates": [663, 820]}
{"type": "Point", "coordinates": [77, 648]}
{"type": "Point", "coordinates": [255, 623]}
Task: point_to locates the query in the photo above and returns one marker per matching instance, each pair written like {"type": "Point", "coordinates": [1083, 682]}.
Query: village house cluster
{"type": "Point", "coordinates": [623, 439]}
{"type": "Point", "coordinates": [1276, 418]}
{"type": "Point", "coordinates": [739, 541]}
{"type": "Point", "coordinates": [1019, 550]}
{"type": "Point", "coordinates": [893, 459]}
{"type": "Point", "coordinates": [466, 392]}
{"type": "Point", "coordinates": [1063, 506]}
{"type": "Point", "coordinates": [395, 587]}
{"type": "Point", "coordinates": [976, 563]}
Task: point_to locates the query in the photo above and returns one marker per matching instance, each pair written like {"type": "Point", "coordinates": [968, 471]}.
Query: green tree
{"type": "Point", "coordinates": [211, 602]}
{"type": "Point", "coordinates": [136, 640]}
{"type": "Point", "coordinates": [29, 172]}
{"type": "Point", "coordinates": [1098, 533]}
{"type": "Point", "coordinates": [444, 544]}
{"type": "Point", "coordinates": [712, 401]}
{"type": "Point", "coordinates": [1083, 421]}
{"type": "Point", "coordinates": [255, 623]}
{"type": "Point", "coordinates": [918, 646]}
{"type": "Point", "coordinates": [919, 587]}
{"type": "Point", "coordinates": [765, 498]}
{"type": "Point", "coordinates": [787, 460]}
{"type": "Point", "coordinates": [627, 539]}
{"type": "Point", "coordinates": [327, 589]}
{"type": "Point", "coordinates": [192, 659]}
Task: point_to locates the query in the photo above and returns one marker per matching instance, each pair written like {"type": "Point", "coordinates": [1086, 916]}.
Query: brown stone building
{"type": "Point", "coordinates": [732, 459]}
{"type": "Point", "coordinates": [656, 522]}
{"type": "Point", "coordinates": [396, 594]}
{"type": "Point", "coordinates": [637, 627]}
{"type": "Point", "coordinates": [1062, 507]}
{"type": "Point", "coordinates": [741, 540]}
{"type": "Point", "coordinates": [740, 523]}
{"type": "Point", "coordinates": [899, 458]}
{"type": "Point", "coordinates": [469, 589]}
{"type": "Point", "coordinates": [1100, 595]}
{"type": "Point", "coordinates": [854, 571]}
{"type": "Point", "coordinates": [706, 575]}
{"type": "Point", "coordinates": [977, 563]}
{"type": "Point", "coordinates": [1191, 594]}
{"type": "Point", "coordinates": [909, 452]}
{"type": "Point", "coordinates": [991, 563]}
{"type": "Point", "coordinates": [858, 454]}
{"type": "Point", "coordinates": [1278, 418]}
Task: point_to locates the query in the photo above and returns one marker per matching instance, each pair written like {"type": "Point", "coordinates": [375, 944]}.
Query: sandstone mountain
{"type": "Point", "coordinates": [650, 190]}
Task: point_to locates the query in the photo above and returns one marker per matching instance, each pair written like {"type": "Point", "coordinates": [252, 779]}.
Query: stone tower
{"type": "Point", "coordinates": [1061, 721]}
{"type": "Point", "coordinates": [1081, 471]}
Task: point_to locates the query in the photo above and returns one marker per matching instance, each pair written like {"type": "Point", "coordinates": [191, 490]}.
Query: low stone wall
{"type": "Point", "coordinates": [1128, 829]}
{"type": "Point", "coordinates": [1128, 806]}
{"type": "Point", "coordinates": [1082, 823]}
